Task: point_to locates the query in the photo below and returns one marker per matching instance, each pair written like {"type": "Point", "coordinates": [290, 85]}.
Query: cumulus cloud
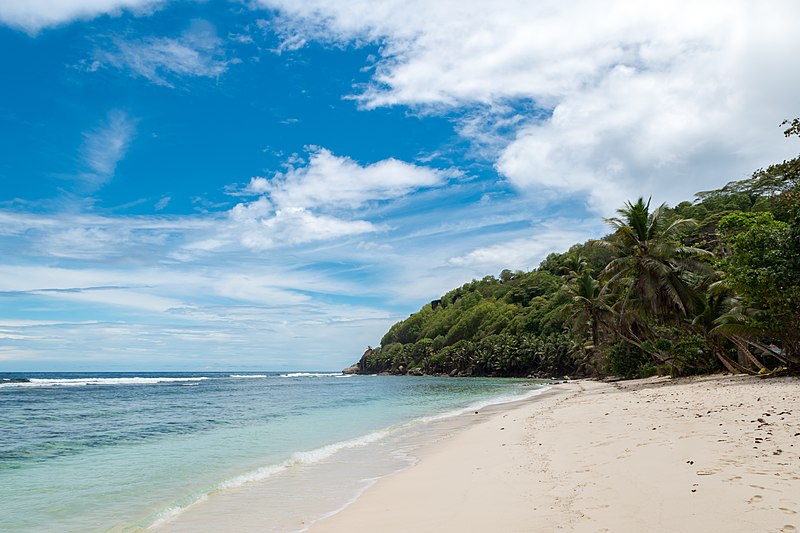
{"type": "Point", "coordinates": [331, 181]}
{"type": "Point", "coordinates": [33, 15]}
{"type": "Point", "coordinates": [618, 97]}
{"type": "Point", "coordinates": [104, 147]}
{"type": "Point", "coordinates": [314, 200]}
{"type": "Point", "coordinates": [197, 52]}
{"type": "Point", "coordinates": [291, 226]}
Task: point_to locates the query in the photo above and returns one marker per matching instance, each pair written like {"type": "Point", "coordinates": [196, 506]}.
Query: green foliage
{"type": "Point", "coordinates": [510, 325]}
{"type": "Point", "coordinates": [642, 300]}
{"type": "Point", "coordinates": [793, 129]}
{"type": "Point", "coordinates": [627, 361]}
{"type": "Point", "coordinates": [765, 270]}
{"type": "Point", "coordinates": [740, 221]}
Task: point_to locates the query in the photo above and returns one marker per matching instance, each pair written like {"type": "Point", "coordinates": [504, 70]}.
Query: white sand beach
{"type": "Point", "coordinates": [706, 454]}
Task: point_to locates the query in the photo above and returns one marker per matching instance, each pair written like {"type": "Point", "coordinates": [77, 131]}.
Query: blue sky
{"type": "Point", "coordinates": [267, 184]}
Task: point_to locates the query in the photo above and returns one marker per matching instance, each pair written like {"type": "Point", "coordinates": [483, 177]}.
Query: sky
{"type": "Point", "coordinates": [271, 184]}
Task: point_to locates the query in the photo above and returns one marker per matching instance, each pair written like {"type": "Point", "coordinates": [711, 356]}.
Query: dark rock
{"type": "Point", "coordinates": [362, 363]}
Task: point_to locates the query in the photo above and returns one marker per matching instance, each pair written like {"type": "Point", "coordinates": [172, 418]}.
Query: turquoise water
{"type": "Point", "coordinates": [93, 452]}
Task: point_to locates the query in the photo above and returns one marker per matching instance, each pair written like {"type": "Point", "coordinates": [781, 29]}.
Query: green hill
{"type": "Point", "coordinates": [708, 285]}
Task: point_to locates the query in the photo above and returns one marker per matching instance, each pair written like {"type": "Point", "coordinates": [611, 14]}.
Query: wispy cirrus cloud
{"type": "Point", "coordinates": [34, 15]}
{"type": "Point", "coordinates": [103, 147]}
{"type": "Point", "coordinates": [197, 52]}
{"type": "Point", "coordinates": [297, 286]}
{"type": "Point", "coordinates": [523, 252]}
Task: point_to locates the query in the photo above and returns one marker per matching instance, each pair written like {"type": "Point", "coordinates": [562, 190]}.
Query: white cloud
{"type": "Point", "coordinates": [249, 211]}
{"type": "Point", "coordinates": [257, 185]}
{"type": "Point", "coordinates": [293, 206]}
{"type": "Point", "coordinates": [122, 297]}
{"type": "Point", "coordinates": [98, 238]}
{"type": "Point", "coordinates": [197, 52]}
{"type": "Point", "coordinates": [291, 226]}
{"type": "Point", "coordinates": [162, 203]}
{"type": "Point", "coordinates": [139, 292]}
{"type": "Point", "coordinates": [257, 288]}
{"type": "Point", "coordinates": [104, 147]}
{"type": "Point", "coordinates": [33, 15]}
{"type": "Point", "coordinates": [525, 253]}
{"type": "Point", "coordinates": [330, 181]}
{"type": "Point", "coordinates": [665, 98]}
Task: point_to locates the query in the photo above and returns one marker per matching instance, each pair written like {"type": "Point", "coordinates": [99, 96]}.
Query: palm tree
{"type": "Point", "coordinates": [574, 265]}
{"type": "Point", "coordinates": [651, 267]}
{"type": "Point", "coordinates": [721, 313]}
{"type": "Point", "coordinates": [589, 306]}
{"type": "Point", "coordinates": [655, 276]}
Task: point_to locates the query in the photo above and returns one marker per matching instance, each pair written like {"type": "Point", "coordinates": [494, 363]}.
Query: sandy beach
{"type": "Point", "coordinates": [706, 454]}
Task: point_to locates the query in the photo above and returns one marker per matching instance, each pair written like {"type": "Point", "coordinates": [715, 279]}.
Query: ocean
{"type": "Point", "coordinates": [171, 451]}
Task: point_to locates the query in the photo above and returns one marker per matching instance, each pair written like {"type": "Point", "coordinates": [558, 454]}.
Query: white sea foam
{"type": "Point", "coordinates": [472, 407]}
{"type": "Point", "coordinates": [244, 376]}
{"type": "Point", "coordinates": [82, 382]}
{"type": "Point", "coordinates": [299, 458]}
{"type": "Point", "coordinates": [171, 512]}
{"type": "Point", "coordinates": [311, 375]}
{"type": "Point", "coordinates": [303, 458]}
{"type": "Point", "coordinates": [322, 453]}
{"type": "Point", "coordinates": [256, 475]}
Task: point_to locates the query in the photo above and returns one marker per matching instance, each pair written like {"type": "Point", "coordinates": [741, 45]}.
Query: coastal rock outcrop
{"type": "Point", "coordinates": [361, 366]}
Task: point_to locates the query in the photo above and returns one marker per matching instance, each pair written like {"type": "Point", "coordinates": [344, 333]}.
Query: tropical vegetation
{"type": "Point", "coordinates": [708, 285]}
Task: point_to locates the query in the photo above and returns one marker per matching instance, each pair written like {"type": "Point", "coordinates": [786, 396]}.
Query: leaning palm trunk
{"type": "Point", "coordinates": [732, 366]}
{"type": "Point", "coordinates": [741, 344]}
{"type": "Point", "coordinates": [625, 330]}
{"type": "Point", "coordinates": [765, 350]}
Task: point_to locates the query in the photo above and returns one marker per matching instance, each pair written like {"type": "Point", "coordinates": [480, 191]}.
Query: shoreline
{"type": "Point", "coordinates": [711, 453]}
{"type": "Point", "coordinates": [337, 474]}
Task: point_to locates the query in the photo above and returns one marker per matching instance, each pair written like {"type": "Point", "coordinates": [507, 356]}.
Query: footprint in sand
{"type": "Point", "coordinates": [755, 499]}
{"type": "Point", "coordinates": [788, 528]}
{"type": "Point", "coordinates": [787, 511]}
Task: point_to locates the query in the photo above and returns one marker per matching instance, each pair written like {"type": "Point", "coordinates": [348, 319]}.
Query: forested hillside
{"type": "Point", "coordinates": [706, 285]}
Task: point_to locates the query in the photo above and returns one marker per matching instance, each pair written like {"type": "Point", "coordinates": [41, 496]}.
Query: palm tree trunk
{"type": "Point", "coordinates": [742, 346]}
{"type": "Point", "coordinates": [732, 366]}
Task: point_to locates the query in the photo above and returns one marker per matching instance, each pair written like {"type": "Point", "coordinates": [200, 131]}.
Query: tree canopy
{"type": "Point", "coordinates": [706, 285]}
